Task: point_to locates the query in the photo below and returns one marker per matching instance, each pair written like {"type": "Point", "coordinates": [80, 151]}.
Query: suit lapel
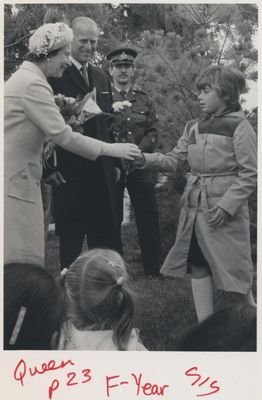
{"type": "Point", "coordinates": [130, 96]}
{"type": "Point", "coordinates": [103, 92]}
{"type": "Point", "coordinates": [96, 79]}
{"type": "Point", "coordinates": [76, 77]}
{"type": "Point", "coordinates": [92, 77]}
{"type": "Point", "coordinates": [73, 74]}
{"type": "Point", "coordinates": [116, 95]}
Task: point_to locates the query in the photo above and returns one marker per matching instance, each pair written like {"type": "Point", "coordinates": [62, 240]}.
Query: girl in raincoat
{"type": "Point", "coordinates": [213, 237]}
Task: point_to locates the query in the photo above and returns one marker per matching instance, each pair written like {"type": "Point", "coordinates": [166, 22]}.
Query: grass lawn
{"type": "Point", "coordinates": [164, 306]}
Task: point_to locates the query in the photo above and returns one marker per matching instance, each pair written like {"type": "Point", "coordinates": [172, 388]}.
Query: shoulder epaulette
{"type": "Point", "coordinates": [138, 89]}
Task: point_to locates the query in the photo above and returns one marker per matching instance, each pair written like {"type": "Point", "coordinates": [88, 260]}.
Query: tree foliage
{"type": "Point", "coordinates": [175, 43]}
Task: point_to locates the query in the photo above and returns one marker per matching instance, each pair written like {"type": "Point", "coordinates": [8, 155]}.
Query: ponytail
{"type": "Point", "coordinates": [124, 312]}
{"type": "Point", "coordinates": [99, 296]}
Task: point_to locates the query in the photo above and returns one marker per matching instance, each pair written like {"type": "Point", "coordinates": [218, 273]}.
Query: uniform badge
{"type": "Point", "coordinates": [123, 56]}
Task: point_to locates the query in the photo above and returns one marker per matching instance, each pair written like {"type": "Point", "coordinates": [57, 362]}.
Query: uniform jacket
{"type": "Point", "coordinates": [81, 175]}
{"type": "Point", "coordinates": [221, 153]}
{"type": "Point", "coordinates": [30, 118]}
{"type": "Point", "coordinates": [142, 121]}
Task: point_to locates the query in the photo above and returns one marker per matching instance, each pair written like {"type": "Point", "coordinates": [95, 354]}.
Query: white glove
{"type": "Point", "coordinates": [128, 151]}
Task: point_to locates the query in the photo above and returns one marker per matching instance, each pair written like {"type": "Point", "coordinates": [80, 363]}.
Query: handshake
{"type": "Point", "coordinates": [138, 163]}
{"type": "Point", "coordinates": [127, 151]}
{"type": "Point", "coordinates": [131, 156]}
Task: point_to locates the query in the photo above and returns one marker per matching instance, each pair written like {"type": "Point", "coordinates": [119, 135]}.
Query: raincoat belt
{"type": "Point", "coordinates": [196, 177]}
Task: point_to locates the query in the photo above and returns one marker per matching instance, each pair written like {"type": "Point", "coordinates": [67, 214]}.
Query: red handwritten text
{"type": "Point", "coordinates": [139, 385]}
{"type": "Point", "coordinates": [72, 380]}
{"type": "Point", "coordinates": [145, 388]}
{"type": "Point", "coordinates": [211, 385]}
{"type": "Point", "coordinates": [52, 388]}
{"type": "Point", "coordinates": [21, 369]}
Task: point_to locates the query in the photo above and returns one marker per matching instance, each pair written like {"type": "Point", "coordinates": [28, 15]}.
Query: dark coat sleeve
{"type": "Point", "coordinates": [149, 141]}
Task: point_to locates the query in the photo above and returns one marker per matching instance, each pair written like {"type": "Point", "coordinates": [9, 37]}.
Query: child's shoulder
{"type": "Point", "coordinates": [191, 123]}
{"type": "Point", "coordinates": [233, 118]}
{"type": "Point", "coordinates": [222, 125]}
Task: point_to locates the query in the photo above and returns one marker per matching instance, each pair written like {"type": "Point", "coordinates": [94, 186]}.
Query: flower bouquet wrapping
{"type": "Point", "coordinates": [75, 111]}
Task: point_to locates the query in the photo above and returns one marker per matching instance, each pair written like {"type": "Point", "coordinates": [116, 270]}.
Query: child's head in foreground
{"type": "Point", "coordinates": [33, 307]}
{"type": "Point", "coordinates": [220, 88]}
{"type": "Point", "coordinates": [99, 298]}
{"type": "Point", "coordinates": [230, 329]}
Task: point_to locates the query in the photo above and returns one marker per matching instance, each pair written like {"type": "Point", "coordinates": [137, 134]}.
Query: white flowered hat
{"type": "Point", "coordinates": [50, 37]}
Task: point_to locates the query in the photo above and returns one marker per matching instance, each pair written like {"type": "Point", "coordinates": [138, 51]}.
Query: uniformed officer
{"type": "Point", "coordinates": [142, 125]}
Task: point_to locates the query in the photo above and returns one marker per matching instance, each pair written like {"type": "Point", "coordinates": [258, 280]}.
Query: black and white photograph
{"type": "Point", "coordinates": [130, 179]}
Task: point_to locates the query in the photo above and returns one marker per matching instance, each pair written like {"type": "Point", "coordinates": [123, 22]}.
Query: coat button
{"type": "Point", "coordinates": [24, 175]}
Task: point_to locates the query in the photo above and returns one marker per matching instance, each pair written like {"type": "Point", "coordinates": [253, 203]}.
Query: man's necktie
{"type": "Point", "coordinates": [85, 74]}
{"type": "Point", "coordinates": [123, 94]}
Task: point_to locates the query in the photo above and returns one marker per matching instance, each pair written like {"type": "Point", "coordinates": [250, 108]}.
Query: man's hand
{"type": "Point", "coordinates": [55, 179]}
{"type": "Point", "coordinates": [220, 217]}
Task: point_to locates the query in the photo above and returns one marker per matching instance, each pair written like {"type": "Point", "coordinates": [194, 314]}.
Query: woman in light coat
{"type": "Point", "coordinates": [31, 117]}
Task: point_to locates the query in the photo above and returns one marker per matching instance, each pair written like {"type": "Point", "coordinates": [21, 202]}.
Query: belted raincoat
{"type": "Point", "coordinates": [221, 152]}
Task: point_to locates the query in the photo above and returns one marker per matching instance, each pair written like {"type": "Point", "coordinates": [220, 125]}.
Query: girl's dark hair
{"type": "Point", "coordinates": [40, 57]}
{"type": "Point", "coordinates": [98, 295]}
{"type": "Point", "coordinates": [229, 83]}
{"type": "Point", "coordinates": [32, 287]}
{"type": "Point", "coordinates": [229, 329]}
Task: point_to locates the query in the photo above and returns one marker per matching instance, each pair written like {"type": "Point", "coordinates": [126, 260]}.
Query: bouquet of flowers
{"type": "Point", "coordinates": [75, 111]}
{"type": "Point", "coordinates": [69, 107]}
{"type": "Point", "coordinates": [119, 128]}
{"type": "Point", "coordinates": [122, 111]}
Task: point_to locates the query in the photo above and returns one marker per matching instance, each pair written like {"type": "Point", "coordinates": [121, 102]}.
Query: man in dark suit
{"type": "Point", "coordinates": [85, 200]}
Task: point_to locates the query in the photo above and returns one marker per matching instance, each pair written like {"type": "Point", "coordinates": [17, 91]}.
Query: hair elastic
{"type": "Point", "coordinates": [120, 281]}
{"type": "Point", "coordinates": [18, 325]}
{"type": "Point", "coordinates": [64, 272]}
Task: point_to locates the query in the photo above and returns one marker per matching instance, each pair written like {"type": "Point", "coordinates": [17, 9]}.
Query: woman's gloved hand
{"type": "Point", "coordinates": [128, 151]}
